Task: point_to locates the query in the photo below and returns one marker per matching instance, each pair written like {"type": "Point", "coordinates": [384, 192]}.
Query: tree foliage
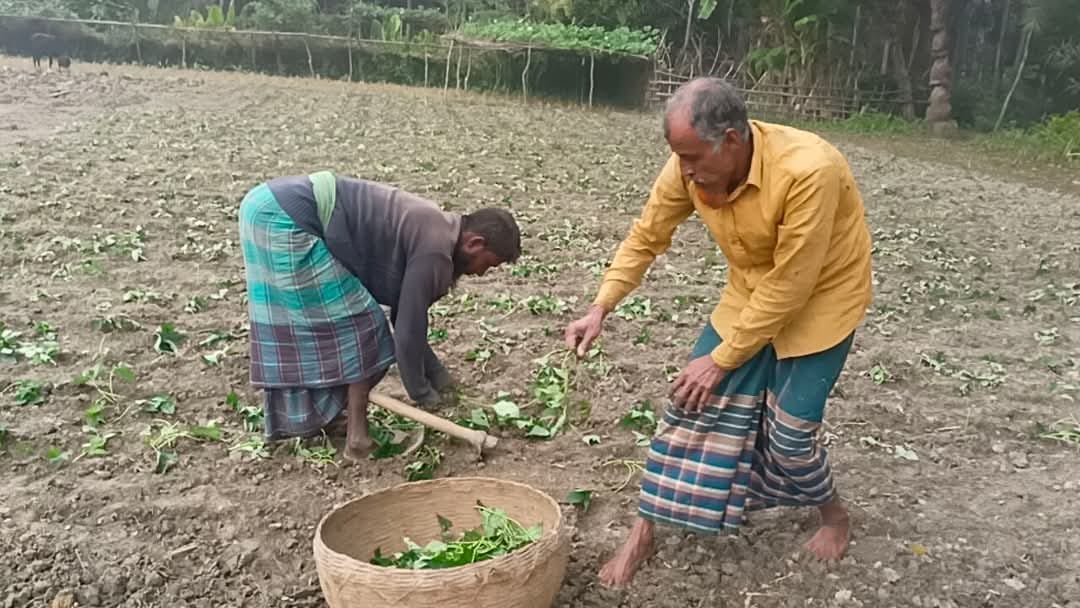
{"type": "Point", "coordinates": [215, 18]}
{"type": "Point", "coordinates": [803, 45]}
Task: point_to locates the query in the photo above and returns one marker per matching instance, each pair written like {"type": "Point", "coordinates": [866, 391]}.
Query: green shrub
{"type": "Point", "coordinates": [1061, 133]}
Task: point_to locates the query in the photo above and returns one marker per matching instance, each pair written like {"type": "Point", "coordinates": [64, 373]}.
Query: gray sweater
{"type": "Point", "coordinates": [401, 248]}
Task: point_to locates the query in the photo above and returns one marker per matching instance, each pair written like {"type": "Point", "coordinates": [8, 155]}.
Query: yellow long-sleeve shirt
{"type": "Point", "coordinates": [795, 238]}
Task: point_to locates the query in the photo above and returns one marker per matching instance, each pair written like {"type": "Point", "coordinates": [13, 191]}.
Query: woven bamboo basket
{"type": "Point", "coordinates": [347, 537]}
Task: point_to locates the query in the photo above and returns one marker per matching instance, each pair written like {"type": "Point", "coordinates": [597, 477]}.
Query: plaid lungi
{"type": "Point", "coordinates": [315, 328]}
{"type": "Point", "coordinates": [754, 446]}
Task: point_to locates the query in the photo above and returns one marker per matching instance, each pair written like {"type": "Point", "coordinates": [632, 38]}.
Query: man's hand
{"type": "Point", "coordinates": [440, 379]}
{"type": "Point", "coordinates": [694, 386]}
{"type": "Point", "coordinates": [581, 333]}
{"type": "Point", "coordinates": [436, 372]}
{"type": "Point", "coordinates": [429, 399]}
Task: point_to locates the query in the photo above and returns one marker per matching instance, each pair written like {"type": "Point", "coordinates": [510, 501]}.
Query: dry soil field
{"type": "Point", "coordinates": [121, 294]}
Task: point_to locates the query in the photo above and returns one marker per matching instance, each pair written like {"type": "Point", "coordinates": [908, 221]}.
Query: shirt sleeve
{"type": "Point", "coordinates": [427, 278]}
{"type": "Point", "coordinates": [802, 243]}
{"type": "Point", "coordinates": [668, 206]}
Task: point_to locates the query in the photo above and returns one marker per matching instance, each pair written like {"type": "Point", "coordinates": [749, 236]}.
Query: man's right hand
{"type": "Point", "coordinates": [581, 333]}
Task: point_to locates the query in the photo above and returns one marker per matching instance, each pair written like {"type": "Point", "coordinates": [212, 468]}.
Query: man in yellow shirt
{"type": "Point", "coordinates": [741, 433]}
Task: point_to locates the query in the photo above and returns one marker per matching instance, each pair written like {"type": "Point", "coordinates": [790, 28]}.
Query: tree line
{"type": "Point", "coordinates": [983, 64]}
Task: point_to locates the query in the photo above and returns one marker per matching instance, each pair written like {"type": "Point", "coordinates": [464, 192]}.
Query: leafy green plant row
{"type": "Point", "coordinates": [563, 36]}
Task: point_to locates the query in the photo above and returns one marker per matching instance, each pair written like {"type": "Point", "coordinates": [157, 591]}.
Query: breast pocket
{"type": "Point", "coordinates": [754, 230]}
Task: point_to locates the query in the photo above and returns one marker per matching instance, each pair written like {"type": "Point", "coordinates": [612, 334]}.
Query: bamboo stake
{"type": "Point", "coordinates": [1000, 45]}
{"type": "Point", "coordinates": [1016, 81]}
{"type": "Point", "coordinates": [854, 40]}
{"type": "Point", "coordinates": [425, 68]}
{"type": "Point", "coordinates": [183, 52]}
{"type": "Point", "coordinates": [449, 56]}
{"type": "Point", "coordinates": [914, 42]}
{"type": "Point", "coordinates": [457, 74]}
{"type": "Point", "coordinates": [468, 70]}
{"type": "Point", "coordinates": [350, 60]}
{"type": "Point", "coordinates": [277, 56]}
{"type": "Point", "coordinates": [592, 77]}
{"type": "Point", "coordinates": [254, 63]}
{"type": "Point", "coordinates": [525, 75]}
{"type": "Point", "coordinates": [135, 37]}
{"type": "Point", "coordinates": [310, 64]}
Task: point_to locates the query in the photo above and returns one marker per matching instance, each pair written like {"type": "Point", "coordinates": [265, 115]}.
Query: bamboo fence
{"type": "Point", "coordinates": [297, 52]}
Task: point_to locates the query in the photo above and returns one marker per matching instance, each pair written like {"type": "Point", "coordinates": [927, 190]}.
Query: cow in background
{"type": "Point", "coordinates": [46, 45]}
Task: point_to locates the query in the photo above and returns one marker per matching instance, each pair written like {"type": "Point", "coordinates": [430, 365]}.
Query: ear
{"type": "Point", "coordinates": [474, 244]}
{"type": "Point", "coordinates": [732, 137]}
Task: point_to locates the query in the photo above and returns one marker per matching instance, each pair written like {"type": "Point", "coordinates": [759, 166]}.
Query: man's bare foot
{"type": "Point", "coordinates": [831, 540]}
{"type": "Point", "coordinates": [620, 569]}
{"type": "Point", "coordinates": [357, 450]}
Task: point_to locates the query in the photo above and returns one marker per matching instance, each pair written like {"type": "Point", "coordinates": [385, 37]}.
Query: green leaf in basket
{"type": "Point", "coordinates": [380, 560]}
{"type": "Point", "coordinates": [498, 535]}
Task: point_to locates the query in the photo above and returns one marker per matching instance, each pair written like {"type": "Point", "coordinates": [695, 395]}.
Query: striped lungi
{"type": "Point", "coordinates": [753, 446]}
{"type": "Point", "coordinates": [315, 328]}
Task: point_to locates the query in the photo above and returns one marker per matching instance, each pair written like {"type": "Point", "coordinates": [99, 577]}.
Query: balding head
{"type": "Point", "coordinates": [711, 106]}
{"type": "Point", "coordinates": [706, 126]}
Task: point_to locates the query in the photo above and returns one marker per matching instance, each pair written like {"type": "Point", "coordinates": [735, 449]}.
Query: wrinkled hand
{"type": "Point", "coordinates": [581, 333]}
{"type": "Point", "coordinates": [694, 386]}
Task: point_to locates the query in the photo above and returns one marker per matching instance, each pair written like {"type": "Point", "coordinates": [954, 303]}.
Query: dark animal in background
{"type": "Point", "coordinates": [64, 62]}
{"type": "Point", "coordinates": [44, 45]}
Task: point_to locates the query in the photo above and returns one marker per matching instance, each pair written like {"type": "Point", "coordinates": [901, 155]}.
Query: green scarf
{"type": "Point", "coordinates": [324, 184]}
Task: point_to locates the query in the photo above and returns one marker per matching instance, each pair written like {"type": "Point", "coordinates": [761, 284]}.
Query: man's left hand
{"type": "Point", "coordinates": [440, 379]}
{"type": "Point", "coordinates": [695, 385]}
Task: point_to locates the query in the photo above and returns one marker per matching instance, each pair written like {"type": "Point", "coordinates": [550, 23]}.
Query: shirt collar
{"type": "Point", "coordinates": [755, 175]}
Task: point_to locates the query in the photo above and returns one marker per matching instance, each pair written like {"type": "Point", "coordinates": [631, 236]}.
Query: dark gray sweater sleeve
{"type": "Point", "coordinates": [427, 278]}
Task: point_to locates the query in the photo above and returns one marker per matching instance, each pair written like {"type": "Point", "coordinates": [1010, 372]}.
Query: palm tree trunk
{"type": "Point", "coordinates": [939, 112]}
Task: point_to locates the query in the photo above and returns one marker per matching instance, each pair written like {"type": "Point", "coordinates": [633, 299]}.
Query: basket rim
{"type": "Point", "coordinates": [550, 535]}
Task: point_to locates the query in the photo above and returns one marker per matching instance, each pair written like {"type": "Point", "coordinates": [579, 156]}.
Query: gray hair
{"type": "Point", "coordinates": [714, 106]}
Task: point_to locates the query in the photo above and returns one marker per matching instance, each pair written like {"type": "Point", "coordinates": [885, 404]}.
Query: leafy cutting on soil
{"type": "Point", "coordinates": [158, 404]}
{"type": "Point", "coordinates": [168, 339]}
{"type": "Point", "coordinates": [497, 535]}
{"type": "Point", "coordinates": [28, 392]}
{"type": "Point", "coordinates": [391, 433]}
{"type": "Point", "coordinates": [1063, 431]}
{"type": "Point", "coordinates": [580, 498]}
{"type": "Point", "coordinates": [424, 465]}
{"type": "Point", "coordinates": [41, 349]}
{"type": "Point", "coordinates": [252, 415]}
{"type": "Point", "coordinates": [102, 379]}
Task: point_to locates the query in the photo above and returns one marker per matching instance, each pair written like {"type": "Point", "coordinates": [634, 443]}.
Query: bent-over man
{"type": "Point", "coordinates": [741, 432]}
{"type": "Point", "coordinates": [323, 254]}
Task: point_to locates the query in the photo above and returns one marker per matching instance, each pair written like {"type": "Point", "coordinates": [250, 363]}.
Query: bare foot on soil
{"type": "Point", "coordinates": [831, 540]}
{"type": "Point", "coordinates": [620, 570]}
{"type": "Point", "coordinates": [357, 451]}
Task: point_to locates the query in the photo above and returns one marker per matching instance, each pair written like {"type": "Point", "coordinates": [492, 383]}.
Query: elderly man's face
{"type": "Point", "coordinates": [708, 165]}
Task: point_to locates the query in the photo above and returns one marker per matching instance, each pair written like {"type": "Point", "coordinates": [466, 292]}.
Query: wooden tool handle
{"type": "Point", "coordinates": [478, 439]}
